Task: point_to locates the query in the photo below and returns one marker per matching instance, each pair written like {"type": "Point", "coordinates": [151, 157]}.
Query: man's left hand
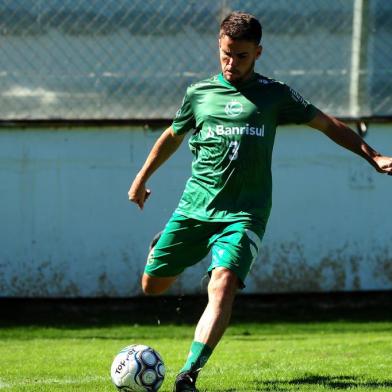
{"type": "Point", "coordinates": [383, 164]}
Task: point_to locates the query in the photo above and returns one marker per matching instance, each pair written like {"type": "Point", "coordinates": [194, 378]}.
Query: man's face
{"type": "Point", "coordinates": [237, 58]}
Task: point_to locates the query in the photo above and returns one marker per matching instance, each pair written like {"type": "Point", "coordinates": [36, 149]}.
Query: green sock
{"type": "Point", "coordinates": [197, 358]}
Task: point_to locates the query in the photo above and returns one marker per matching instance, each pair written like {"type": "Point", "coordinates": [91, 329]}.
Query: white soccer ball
{"type": "Point", "coordinates": [137, 368]}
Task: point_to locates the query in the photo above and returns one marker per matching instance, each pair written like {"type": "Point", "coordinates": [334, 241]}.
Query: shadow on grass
{"type": "Point", "coordinates": [330, 382]}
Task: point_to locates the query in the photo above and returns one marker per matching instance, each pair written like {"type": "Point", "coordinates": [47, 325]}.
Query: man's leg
{"type": "Point", "coordinates": [215, 319]}
{"type": "Point", "coordinates": [211, 326]}
{"type": "Point", "coordinates": [152, 285]}
{"type": "Point", "coordinates": [182, 243]}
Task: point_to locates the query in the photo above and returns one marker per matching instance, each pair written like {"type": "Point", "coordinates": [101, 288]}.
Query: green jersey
{"type": "Point", "coordinates": [234, 132]}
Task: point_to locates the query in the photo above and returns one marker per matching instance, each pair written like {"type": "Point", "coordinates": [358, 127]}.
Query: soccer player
{"type": "Point", "coordinates": [227, 200]}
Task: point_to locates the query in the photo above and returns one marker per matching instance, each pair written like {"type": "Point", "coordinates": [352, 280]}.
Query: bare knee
{"type": "Point", "coordinates": [152, 285]}
{"type": "Point", "coordinates": [223, 286]}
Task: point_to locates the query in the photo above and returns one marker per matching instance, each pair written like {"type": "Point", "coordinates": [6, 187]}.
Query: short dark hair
{"type": "Point", "coordinates": [241, 26]}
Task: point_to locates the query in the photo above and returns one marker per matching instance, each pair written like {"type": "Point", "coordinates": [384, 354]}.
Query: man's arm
{"type": "Point", "coordinates": [164, 147]}
{"type": "Point", "coordinates": [341, 134]}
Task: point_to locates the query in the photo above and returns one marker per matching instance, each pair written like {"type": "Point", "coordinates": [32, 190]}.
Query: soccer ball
{"type": "Point", "coordinates": [137, 368]}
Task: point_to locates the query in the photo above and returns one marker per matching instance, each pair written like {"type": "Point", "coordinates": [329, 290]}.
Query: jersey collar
{"type": "Point", "coordinates": [226, 83]}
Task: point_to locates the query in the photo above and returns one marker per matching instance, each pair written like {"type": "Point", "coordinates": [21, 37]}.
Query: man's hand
{"type": "Point", "coordinates": [163, 148]}
{"type": "Point", "coordinates": [383, 164]}
{"type": "Point", "coordinates": [138, 193]}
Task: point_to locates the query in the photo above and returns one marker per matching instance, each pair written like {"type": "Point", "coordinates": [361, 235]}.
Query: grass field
{"type": "Point", "coordinates": [316, 355]}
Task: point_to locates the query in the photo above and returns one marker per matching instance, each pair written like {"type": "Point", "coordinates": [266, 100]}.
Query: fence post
{"type": "Point", "coordinates": [358, 71]}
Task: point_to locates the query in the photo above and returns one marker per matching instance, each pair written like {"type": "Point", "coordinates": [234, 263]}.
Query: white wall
{"type": "Point", "coordinates": [67, 228]}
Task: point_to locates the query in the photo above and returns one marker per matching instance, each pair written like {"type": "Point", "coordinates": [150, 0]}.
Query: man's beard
{"type": "Point", "coordinates": [246, 75]}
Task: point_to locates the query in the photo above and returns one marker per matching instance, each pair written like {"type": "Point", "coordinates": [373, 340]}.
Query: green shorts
{"type": "Point", "coordinates": [185, 241]}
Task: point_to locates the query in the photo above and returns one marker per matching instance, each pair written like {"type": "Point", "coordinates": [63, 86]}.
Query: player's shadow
{"type": "Point", "coordinates": [331, 382]}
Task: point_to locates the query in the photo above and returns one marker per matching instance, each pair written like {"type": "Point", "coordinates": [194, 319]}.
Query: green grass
{"type": "Point", "coordinates": [269, 356]}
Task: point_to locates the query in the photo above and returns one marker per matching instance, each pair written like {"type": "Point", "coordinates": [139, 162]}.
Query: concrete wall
{"type": "Point", "coordinates": [68, 230]}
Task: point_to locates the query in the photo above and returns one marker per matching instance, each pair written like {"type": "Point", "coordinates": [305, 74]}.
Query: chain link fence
{"type": "Point", "coordinates": [133, 59]}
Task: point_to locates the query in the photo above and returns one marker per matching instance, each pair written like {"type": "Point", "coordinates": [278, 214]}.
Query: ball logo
{"type": "Point", "coordinates": [233, 108]}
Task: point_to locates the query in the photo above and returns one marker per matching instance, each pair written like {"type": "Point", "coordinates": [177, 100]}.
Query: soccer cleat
{"type": "Point", "coordinates": [185, 382]}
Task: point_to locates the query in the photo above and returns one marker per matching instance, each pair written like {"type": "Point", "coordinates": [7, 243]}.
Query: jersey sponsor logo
{"type": "Point", "coordinates": [233, 108]}
{"type": "Point", "coordinates": [221, 130]}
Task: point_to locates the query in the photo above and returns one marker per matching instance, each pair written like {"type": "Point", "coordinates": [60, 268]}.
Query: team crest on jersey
{"type": "Point", "coordinates": [233, 108]}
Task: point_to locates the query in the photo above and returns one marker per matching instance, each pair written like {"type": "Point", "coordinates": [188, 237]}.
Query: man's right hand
{"type": "Point", "coordinates": [138, 193]}
{"type": "Point", "coordinates": [163, 148]}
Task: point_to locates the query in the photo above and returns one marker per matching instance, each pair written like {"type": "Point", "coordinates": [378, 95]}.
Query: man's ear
{"type": "Point", "coordinates": [259, 51]}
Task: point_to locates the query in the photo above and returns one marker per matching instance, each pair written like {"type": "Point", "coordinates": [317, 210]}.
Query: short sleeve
{"type": "Point", "coordinates": [294, 108]}
{"type": "Point", "coordinates": [184, 119]}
